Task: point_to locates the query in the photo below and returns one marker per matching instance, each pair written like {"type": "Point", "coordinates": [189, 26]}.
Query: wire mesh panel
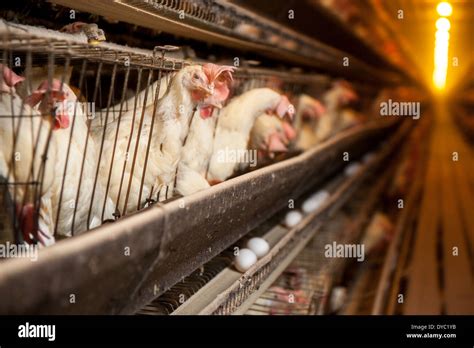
{"type": "Point", "coordinates": [59, 96]}
{"type": "Point", "coordinates": [294, 293]}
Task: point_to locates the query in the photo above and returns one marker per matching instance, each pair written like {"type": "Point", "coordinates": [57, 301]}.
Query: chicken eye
{"type": "Point", "coordinates": [54, 111]}
{"type": "Point", "coordinates": [196, 77]}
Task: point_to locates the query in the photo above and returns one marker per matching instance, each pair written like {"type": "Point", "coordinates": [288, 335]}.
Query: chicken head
{"type": "Point", "coordinates": [347, 93]}
{"type": "Point", "coordinates": [277, 141]}
{"type": "Point", "coordinates": [51, 102]}
{"type": "Point", "coordinates": [27, 219]}
{"type": "Point", "coordinates": [9, 79]}
{"type": "Point", "coordinates": [313, 110]}
{"type": "Point", "coordinates": [195, 80]}
{"type": "Point", "coordinates": [219, 78]}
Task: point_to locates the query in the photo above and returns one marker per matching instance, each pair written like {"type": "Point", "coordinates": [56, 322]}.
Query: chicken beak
{"type": "Point", "coordinates": [207, 90]}
{"type": "Point", "coordinates": [215, 104]}
{"type": "Point", "coordinates": [284, 107]}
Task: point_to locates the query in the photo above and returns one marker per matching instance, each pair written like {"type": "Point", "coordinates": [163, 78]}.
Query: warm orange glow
{"type": "Point", "coordinates": [442, 46]}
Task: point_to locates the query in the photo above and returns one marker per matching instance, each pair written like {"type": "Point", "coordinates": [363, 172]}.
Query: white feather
{"type": "Point", "coordinates": [195, 155]}
{"type": "Point", "coordinates": [233, 128]}
{"type": "Point", "coordinates": [170, 128]}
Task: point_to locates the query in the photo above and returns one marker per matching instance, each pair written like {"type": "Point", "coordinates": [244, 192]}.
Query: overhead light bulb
{"type": "Point", "coordinates": [444, 9]}
{"type": "Point", "coordinates": [443, 24]}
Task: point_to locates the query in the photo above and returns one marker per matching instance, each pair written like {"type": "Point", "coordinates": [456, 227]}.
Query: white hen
{"type": "Point", "coordinates": [142, 163]}
{"type": "Point", "coordinates": [235, 123]}
{"type": "Point", "coordinates": [308, 114]}
{"type": "Point", "coordinates": [197, 149]}
{"type": "Point", "coordinates": [335, 118]}
{"type": "Point", "coordinates": [74, 210]}
{"type": "Point", "coordinates": [27, 154]}
{"type": "Point", "coordinates": [270, 135]}
{"type": "Point", "coordinates": [135, 102]}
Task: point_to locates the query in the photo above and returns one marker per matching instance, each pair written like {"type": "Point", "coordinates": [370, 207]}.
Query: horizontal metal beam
{"type": "Point", "coordinates": [168, 18]}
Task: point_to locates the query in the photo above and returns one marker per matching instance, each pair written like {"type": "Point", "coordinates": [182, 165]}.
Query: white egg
{"type": "Point", "coordinates": [368, 157]}
{"type": "Point", "coordinates": [245, 259]}
{"type": "Point", "coordinates": [259, 246]}
{"type": "Point", "coordinates": [309, 205]}
{"type": "Point", "coordinates": [293, 218]}
{"type": "Point", "coordinates": [352, 169]}
{"type": "Point", "coordinates": [315, 201]}
{"type": "Point", "coordinates": [338, 298]}
{"type": "Point", "coordinates": [321, 196]}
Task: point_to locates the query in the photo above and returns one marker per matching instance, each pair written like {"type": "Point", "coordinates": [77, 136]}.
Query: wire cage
{"type": "Point", "coordinates": [45, 154]}
{"type": "Point", "coordinates": [62, 176]}
{"type": "Point", "coordinates": [295, 292]}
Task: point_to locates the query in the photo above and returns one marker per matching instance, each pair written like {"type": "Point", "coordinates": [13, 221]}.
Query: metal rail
{"type": "Point", "coordinates": [464, 119]}
{"type": "Point", "coordinates": [218, 21]}
{"type": "Point", "coordinates": [25, 38]}
{"type": "Point", "coordinates": [388, 281]}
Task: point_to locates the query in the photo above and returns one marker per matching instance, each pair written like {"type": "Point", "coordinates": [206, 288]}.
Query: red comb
{"type": "Point", "coordinates": [220, 76]}
{"type": "Point", "coordinates": [221, 72]}
{"type": "Point", "coordinates": [56, 92]}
